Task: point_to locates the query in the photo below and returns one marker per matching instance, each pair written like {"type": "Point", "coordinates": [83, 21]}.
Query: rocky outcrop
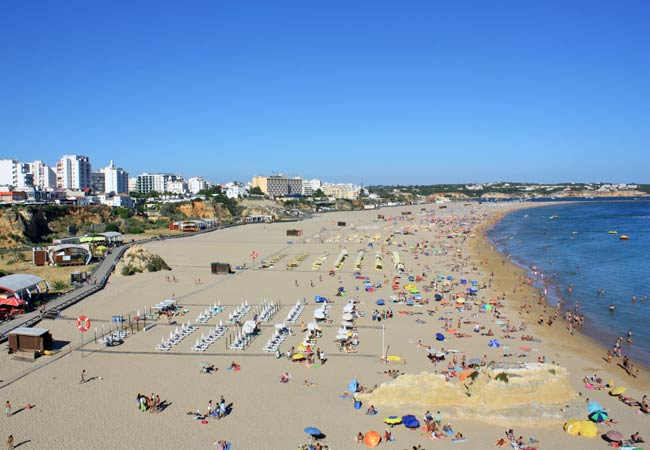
{"type": "Point", "coordinates": [501, 393]}
{"type": "Point", "coordinates": [137, 259]}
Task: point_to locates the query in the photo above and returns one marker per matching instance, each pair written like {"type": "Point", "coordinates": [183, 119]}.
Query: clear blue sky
{"type": "Point", "coordinates": [361, 91]}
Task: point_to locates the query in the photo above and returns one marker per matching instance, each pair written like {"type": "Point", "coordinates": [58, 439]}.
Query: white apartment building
{"type": "Point", "coordinates": [310, 186]}
{"type": "Point", "coordinates": [147, 182]}
{"type": "Point", "coordinates": [44, 175]}
{"type": "Point", "coordinates": [8, 172]}
{"type": "Point", "coordinates": [235, 190]}
{"type": "Point", "coordinates": [177, 187]}
{"type": "Point", "coordinates": [116, 180]}
{"type": "Point", "coordinates": [196, 184]}
{"type": "Point", "coordinates": [73, 172]}
{"type": "Point", "coordinates": [15, 175]}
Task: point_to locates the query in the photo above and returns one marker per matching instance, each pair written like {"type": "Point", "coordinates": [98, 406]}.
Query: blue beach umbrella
{"type": "Point", "coordinates": [598, 416]}
{"type": "Point", "coordinates": [353, 385]}
{"type": "Point", "coordinates": [380, 302]}
{"type": "Point", "coordinates": [440, 337]}
{"type": "Point", "coordinates": [313, 431]}
{"type": "Point", "coordinates": [494, 343]}
{"type": "Point", "coordinates": [594, 406]}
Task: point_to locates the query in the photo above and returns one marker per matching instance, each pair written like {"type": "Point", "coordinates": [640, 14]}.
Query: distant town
{"type": "Point", "coordinates": [72, 181]}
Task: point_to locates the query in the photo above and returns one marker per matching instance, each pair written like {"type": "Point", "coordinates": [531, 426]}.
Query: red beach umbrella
{"type": "Point", "coordinates": [13, 301]}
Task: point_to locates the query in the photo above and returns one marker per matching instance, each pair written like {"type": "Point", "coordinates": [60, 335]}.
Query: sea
{"type": "Point", "coordinates": [579, 247]}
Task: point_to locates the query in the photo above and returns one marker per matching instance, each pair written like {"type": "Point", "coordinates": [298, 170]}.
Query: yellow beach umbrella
{"type": "Point", "coordinates": [588, 429]}
{"type": "Point", "coordinates": [393, 358]}
{"type": "Point", "coordinates": [298, 357]}
{"type": "Point", "coordinates": [393, 420]}
{"type": "Point", "coordinates": [569, 423]}
{"type": "Point", "coordinates": [618, 390]}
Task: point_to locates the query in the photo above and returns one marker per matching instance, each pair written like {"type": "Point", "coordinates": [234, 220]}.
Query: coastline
{"type": "Point", "coordinates": [578, 343]}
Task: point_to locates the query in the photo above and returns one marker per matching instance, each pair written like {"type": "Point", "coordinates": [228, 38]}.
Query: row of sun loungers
{"type": "Point", "coordinates": [209, 313]}
{"type": "Point", "coordinates": [205, 342]}
{"type": "Point", "coordinates": [115, 336]}
{"type": "Point", "coordinates": [242, 342]}
{"type": "Point", "coordinates": [176, 337]}
{"type": "Point", "coordinates": [268, 311]}
{"type": "Point", "coordinates": [240, 312]}
{"type": "Point", "coordinates": [295, 313]}
{"type": "Point", "coordinates": [274, 343]}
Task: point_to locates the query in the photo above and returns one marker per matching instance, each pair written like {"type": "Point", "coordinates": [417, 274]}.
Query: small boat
{"type": "Point", "coordinates": [554, 216]}
{"type": "Point", "coordinates": [574, 232]}
{"type": "Point", "coordinates": [613, 232]}
{"type": "Point", "coordinates": [624, 237]}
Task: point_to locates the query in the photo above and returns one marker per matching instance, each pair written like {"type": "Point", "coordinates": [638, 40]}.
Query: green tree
{"type": "Point", "coordinates": [256, 191]}
{"type": "Point", "coordinates": [318, 193]}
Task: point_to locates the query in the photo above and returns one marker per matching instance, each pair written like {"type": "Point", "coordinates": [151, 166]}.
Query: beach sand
{"type": "Point", "coordinates": [266, 414]}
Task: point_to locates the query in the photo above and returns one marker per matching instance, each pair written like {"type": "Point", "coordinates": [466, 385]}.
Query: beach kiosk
{"type": "Point", "coordinates": [218, 268]}
{"type": "Point", "coordinates": [24, 339]}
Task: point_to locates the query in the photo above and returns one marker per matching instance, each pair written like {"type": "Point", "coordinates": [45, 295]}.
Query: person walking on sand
{"type": "Point", "coordinates": [10, 442]}
{"type": "Point", "coordinates": [83, 376]}
{"type": "Point", "coordinates": [8, 408]}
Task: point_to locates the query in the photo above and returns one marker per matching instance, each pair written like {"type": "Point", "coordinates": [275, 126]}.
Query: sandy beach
{"type": "Point", "coordinates": [103, 412]}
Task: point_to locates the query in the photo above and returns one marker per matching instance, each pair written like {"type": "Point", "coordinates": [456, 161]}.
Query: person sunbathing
{"type": "Point", "coordinates": [285, 377]}
{"type": "Point", "coordinates": [636, 438]}
{"type": "Point", "coordinates": [629, 401]}
{"type": "Point", "coordinates": [371, 411]}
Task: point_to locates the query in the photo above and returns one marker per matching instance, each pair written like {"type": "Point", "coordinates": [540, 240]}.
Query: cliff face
{"type": "Point", "coordinates": [12, 229]}
{"type": "Point", "coordinates": [20, 227]}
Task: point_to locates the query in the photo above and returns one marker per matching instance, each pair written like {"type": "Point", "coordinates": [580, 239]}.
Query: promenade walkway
{"type": "Point", "coordinates": [101, 273]}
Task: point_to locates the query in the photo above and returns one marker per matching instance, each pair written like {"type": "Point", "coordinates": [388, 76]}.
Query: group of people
{"type": "Point", "coordinates": [515, 442]}
{"type": "Point", "coordinates": [152, 403]}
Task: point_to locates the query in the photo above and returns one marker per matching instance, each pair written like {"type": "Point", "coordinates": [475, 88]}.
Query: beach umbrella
{"type": "Point", "coordinates": [341, 289]}
{"type": "Point", "coordinates": [598, 416]}
{"type": "Point", "coordinates": [572, 427]}
{"type": "Point", "coordinates": [347, 316]}
{"type": "Point", "coordinates": [12, 301]}
{"type": "Point", "coordinates": [440, 337]}
{"type": "Point", "coordinates": [380, 302]}
{"type": "Point", "coordinates": [393, 420]}
{"type": "Point", "coordinates": [349, 307]}
{"type": "Point", "coordinates": [614, 436]}
{"type": "Point", "coordinates": [494, 343]}
{"type": "Point", "coordinates": [298, 357]}
{"type": "Point", "coordinates": [409, 421]}
{"type": "Point", "coordinates": [353, 386]}
{"type": "Point", "coordinates": [249, 327]}
{"type": "Point", "coordinates": [313, 431]}
{"type": "Point", "coordinates": [618, 390]}
{"type": "Point", "coordinates": [588, 429]}
{"type": "Point", "coordinates": [438, 297]}
{"type": "Point", "coordinates": [460, 300]}
{"type": "Point", "coordinates": [371, 439]}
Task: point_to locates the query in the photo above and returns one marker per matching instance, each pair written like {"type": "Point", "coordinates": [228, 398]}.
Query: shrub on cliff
{"type": "Point", "coordinates": [156, 264]}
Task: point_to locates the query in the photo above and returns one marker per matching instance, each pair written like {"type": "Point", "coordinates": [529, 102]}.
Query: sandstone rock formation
{"type": "Point", "coordinates": [501, 393]}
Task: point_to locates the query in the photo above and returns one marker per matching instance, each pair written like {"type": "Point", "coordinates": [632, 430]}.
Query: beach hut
{"type": "Point", "coordinates": [29, 340]}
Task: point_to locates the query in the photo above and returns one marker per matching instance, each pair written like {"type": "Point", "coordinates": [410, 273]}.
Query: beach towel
{"type": "Point", "coordinates": [455, 441]}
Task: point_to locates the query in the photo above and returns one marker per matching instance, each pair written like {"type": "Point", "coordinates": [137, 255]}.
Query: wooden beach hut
{"type": "Point", "coordinates": [24, 339]}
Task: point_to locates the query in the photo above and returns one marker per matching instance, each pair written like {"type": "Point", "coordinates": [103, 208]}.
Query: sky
{"type": "Point", "coordinates": [368, 92]}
